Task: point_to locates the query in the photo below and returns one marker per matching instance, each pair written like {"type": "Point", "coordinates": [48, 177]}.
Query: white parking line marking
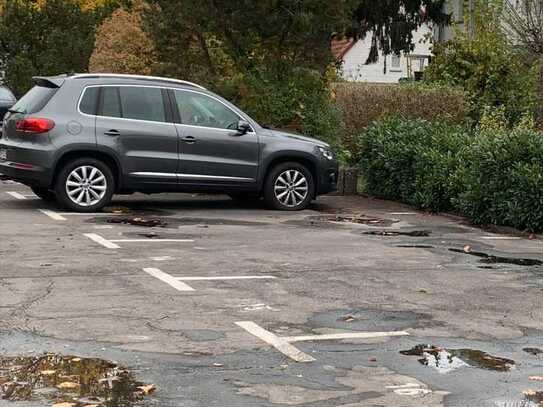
{"type": "Point", "coordinates": [225, 278]}
{"type": "Point", "coordinates": [278, 343]}
{"type": "Point", "coordinates": [102, 241]}
{"type": "Point", "coordinates": [284, 344]}
{"type": "Point", "coordinates": [168, 279]}
{"type": "Point", "coordinates": [16, 195]}
{"type": "Point", "coordinates": [52, 214]}
{"type": "Point", "coordinates": [347, 335]}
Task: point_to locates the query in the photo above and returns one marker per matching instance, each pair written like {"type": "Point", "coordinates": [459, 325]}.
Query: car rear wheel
{"type": "Point", "coordinates": [289, 187]}
{"type": "Point", "coordinates": [44, 194]}
{"type": "Point", "coordinates": [85, 185]}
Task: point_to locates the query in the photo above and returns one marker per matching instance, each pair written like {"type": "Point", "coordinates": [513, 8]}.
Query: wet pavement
{"type": "Point", "coordinates": [155, 297]}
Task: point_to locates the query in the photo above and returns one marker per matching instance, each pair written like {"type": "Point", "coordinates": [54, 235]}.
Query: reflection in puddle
{"type": "Point", "coordinates": [447, 360]}
{"type": "Point", "coordinates": [68, 379]}
{"type": "Point", "coordinates": [415, 233]}
{"type": "Point", "coordinates": [489, 259]}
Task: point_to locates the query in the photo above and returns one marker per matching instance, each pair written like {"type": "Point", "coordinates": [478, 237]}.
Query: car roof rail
{"type": "Point", "coordinates": [137, 77]}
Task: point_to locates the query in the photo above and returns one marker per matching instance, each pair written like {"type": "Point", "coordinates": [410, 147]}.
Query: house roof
{"type": "Point", "coordinates": [340, 46]}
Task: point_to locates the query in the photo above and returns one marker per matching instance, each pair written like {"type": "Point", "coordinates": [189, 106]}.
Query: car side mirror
{"type": "Point", "coordinates": [243, 127]}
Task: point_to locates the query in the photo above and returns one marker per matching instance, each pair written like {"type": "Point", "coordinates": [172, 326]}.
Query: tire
{"type": "Point", "coordinates": [289, 187]}
{"type": "Point", "coordinates": [44, 194]}
{"type": "Point", "coordinates": [86, 180]}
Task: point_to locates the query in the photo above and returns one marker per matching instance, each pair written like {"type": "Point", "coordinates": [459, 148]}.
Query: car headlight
{"type": "Point", "coordinates": [326, 153]}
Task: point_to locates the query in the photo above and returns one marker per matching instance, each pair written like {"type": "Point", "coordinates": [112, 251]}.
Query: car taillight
{"type": "Point", "coordinates": [34, 125]}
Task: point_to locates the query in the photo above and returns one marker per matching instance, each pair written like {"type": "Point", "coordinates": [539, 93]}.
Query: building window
{"type": "Point", "coordinates": [395, 64]}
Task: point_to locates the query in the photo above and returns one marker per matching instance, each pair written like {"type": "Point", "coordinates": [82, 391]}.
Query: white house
{"type": "Point", "coordinates": [388, 69]}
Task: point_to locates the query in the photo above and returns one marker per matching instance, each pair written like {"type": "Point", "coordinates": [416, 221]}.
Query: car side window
{"type": "Point", "coordinates": [142, 103]}
{"type": "Point", "coordinates": [111, 106]}
{"type": "Point", "coordinates": [89, 101]}
{"type": "Point", "coordinates": [201, 110]}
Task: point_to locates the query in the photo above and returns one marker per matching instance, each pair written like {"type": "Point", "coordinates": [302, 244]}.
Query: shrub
{"type": "Point", "coordinates": [363, 104]}
{"type": "Point", "coordinates": [412, 161]}
{"type": "Point", "coordinates": [487, 66]}
{"type": "Point", "coordinates": [293, 99]}
{"type": "Point", "coordinates": [491, 176]}
{"type": "Point", "coordinates": [502, 177]}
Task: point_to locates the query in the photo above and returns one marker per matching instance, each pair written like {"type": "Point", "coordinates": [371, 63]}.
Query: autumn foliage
{"type": "Point", "coordinates": [122, 46]}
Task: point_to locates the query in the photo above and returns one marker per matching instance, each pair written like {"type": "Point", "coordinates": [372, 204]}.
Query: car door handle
{"type": "Point", "coordinates": [189, 139]}
{"type": "Point", "coordinates": [112, 133]}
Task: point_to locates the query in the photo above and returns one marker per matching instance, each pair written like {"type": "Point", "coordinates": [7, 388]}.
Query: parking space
{"type": "Point", "coordinates": [271, 308]}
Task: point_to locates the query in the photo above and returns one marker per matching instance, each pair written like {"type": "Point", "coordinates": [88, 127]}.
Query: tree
{"type": "Point", "coordinates": [393, 22]}
{"type": "Point", "coordinates": [483, 63]}
{"type": "Point", "coordinates": [121, 44]}
{"type": "Point", "coordinates": [46, 38]}
{"type": "Point", "coordinates": [243, 34]}
{"type": "Point", "coordinates": [524, 24]}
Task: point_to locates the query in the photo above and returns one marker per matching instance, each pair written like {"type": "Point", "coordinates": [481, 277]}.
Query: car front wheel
{"type": "Point", "coordinates": [85, 185]}
{"type": "Point", "coordinates": [289, 187]}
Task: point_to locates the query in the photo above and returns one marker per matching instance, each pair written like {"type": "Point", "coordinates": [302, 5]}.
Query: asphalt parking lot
{"type": "Point", "coordinates": [223, 304]}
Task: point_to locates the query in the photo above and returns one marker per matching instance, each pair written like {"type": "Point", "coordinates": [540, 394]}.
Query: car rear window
{"type": "Point", "coordinates": [35, 99]}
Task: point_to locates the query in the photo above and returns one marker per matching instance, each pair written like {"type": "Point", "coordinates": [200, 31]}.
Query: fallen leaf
{"type": "Point", "coordinates": [218, 365]}
{"type": "Point", "coordinates": [147, 388]}
{"type": "Point", "coordinates": [529, 392]}
{"type": "Point", "coordinates": [372, 359]}
{"type": "Point", "coordinates": [68, 386]}
{"type": "Point", "coordinates": [48, 372]}
{"type": "Point", "coordinates": [467, 248]}
{"type": "Point", "coordinates": [348, 318]}
{"type": "Point", "coordinates": [76, 360]}
{"type": "Point", "coordinates": [532, 236]}
{"type": "Point", "coordinates": [536, 378]}
{"type": "Point", "coordinates": [64, 405]}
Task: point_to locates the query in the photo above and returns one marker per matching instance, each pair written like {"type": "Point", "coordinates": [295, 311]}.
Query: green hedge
{"type": "Point", "coordinates": [491, 177]}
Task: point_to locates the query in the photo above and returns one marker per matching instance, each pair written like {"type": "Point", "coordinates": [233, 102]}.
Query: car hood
{"type": "Point", "coordinates": [295, 136]}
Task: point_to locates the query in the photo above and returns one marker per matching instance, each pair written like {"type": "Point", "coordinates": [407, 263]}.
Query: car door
{"type": "Point", "coordinates": [212, 152]}
{"type": "Point", "coordinates": [135, 121]}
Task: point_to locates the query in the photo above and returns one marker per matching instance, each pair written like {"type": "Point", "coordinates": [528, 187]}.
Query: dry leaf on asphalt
{"type": "Point", "coordinates": [67, 386]}
{"type": "Point", "coordinates": [147, 388]}
{"type": "Point", "coordinates": [536, 378]}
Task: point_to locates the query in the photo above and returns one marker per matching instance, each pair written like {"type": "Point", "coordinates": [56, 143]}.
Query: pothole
{"type": "Point", "coordinates": [447, 360]}
{"type": "Point", "coordinates": [355, 219]}
{"type": "Point", "coordinates": [490, 259]}
{"type": "Point", "coordinates": [387, 233]}
{"type": "Point", "coordinates": [72, 380]}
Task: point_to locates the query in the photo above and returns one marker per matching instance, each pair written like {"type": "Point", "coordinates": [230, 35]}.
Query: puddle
{"type": "Point", "coordinates": [369, 320]}
{"type": "Point", "coordinates": [137, 221]}
{"type": "Point", "coordinates": [415, 246]}
{"type": "Point", "coordinates": [415, 233]}
{"type": "Point", "coordinates": [533, 351]}
{"type": "Point", "coordinates": [489, 259]}
{"type": "Point", "coordinates": [447, 360]}
{"type": "Point", "coordinates": [356, 219]}
{"type": "Point", "coordinates": [76, 381]}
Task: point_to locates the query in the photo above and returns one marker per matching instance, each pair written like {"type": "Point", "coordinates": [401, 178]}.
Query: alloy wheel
{"type": "Point", "coordinates": [291, 188]}
{"type": "Point", "coordinates": [86, 185]}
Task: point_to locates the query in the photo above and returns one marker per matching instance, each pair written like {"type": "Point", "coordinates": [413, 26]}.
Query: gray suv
{"type": "Point", "coordinates": [79, 139]}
